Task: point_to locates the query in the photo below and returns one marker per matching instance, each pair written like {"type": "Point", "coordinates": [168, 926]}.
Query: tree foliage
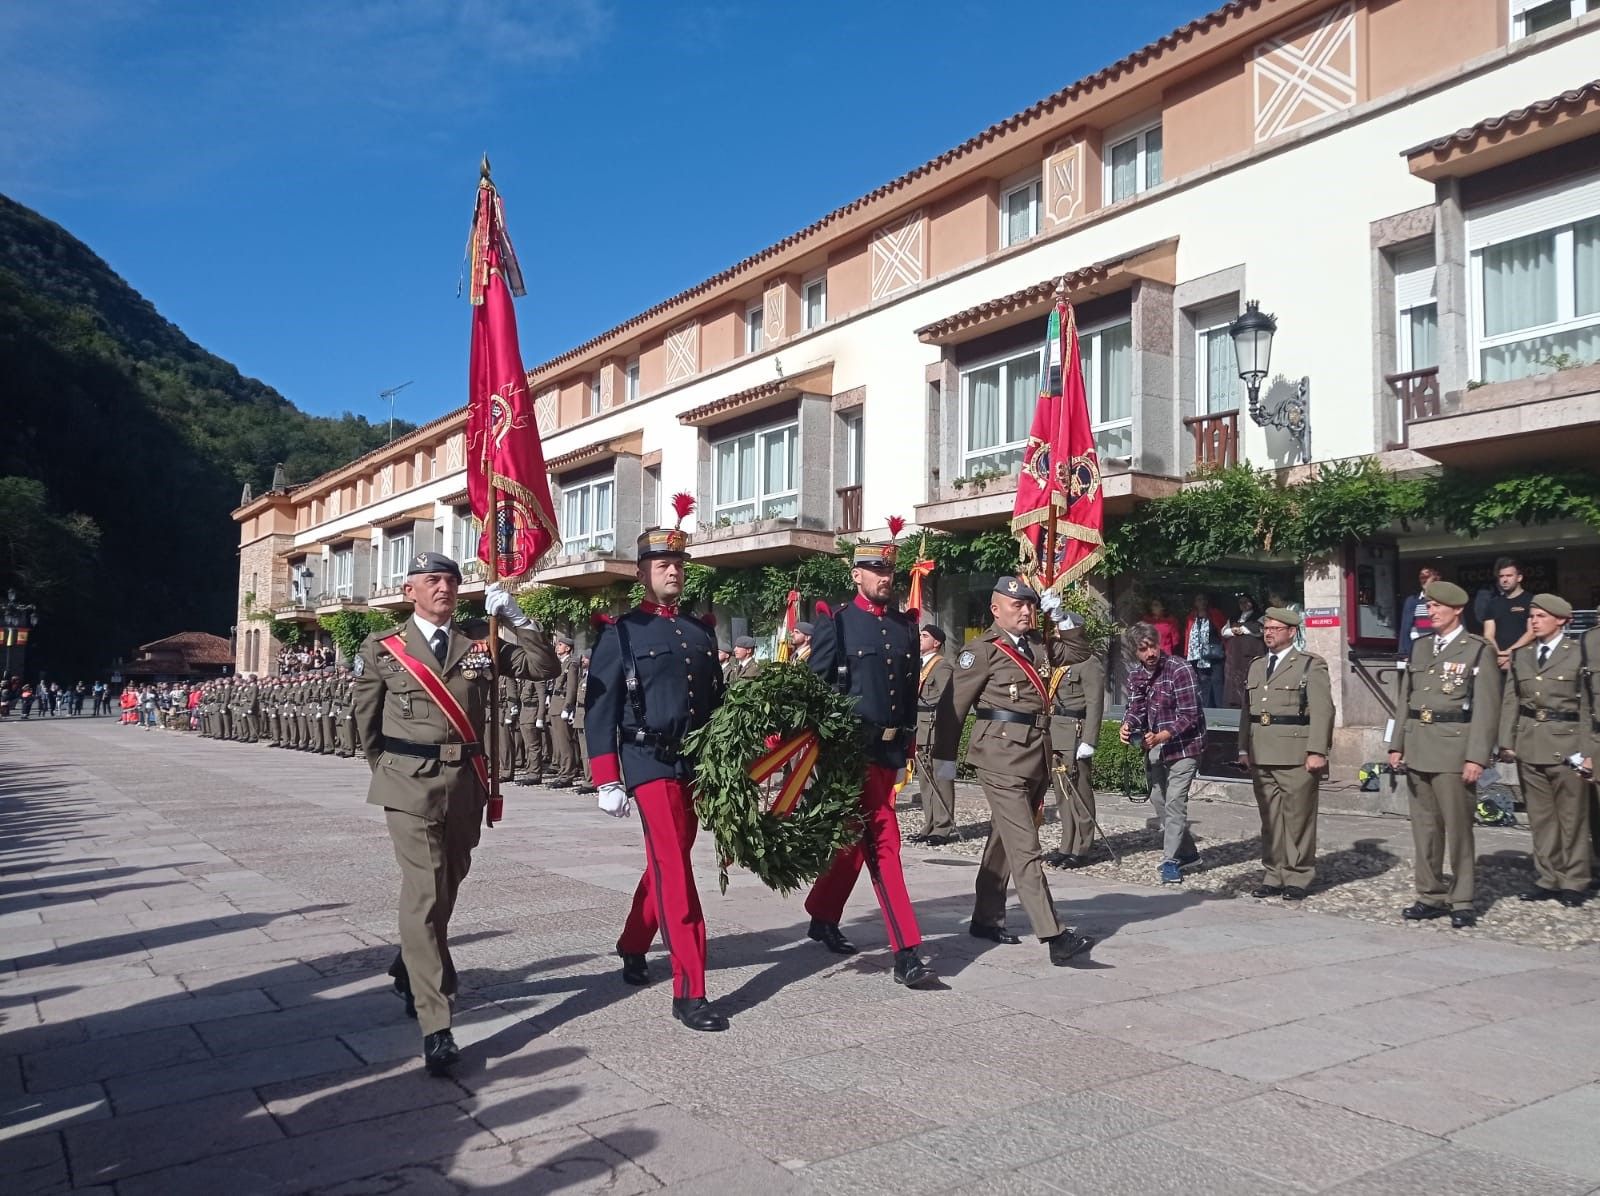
{"type": "Point", "coordinates": [349, 628]}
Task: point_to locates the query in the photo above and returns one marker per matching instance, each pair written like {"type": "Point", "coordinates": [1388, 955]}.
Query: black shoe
{"type": "Point", "coordinates": [587, 789]}
{"type": "Point", "coordinates": [1594, 885]}
{"type": "Point", "coordinates": [525, 780]}
{"type": "Point", "coordinates": [697, 1014]}
{"type": "Point", "coordinates": [911, 970]}
{"type": "Point", "coordinates": [916, 838]}
{"type": "Point", "coordinates": [1293, 893]}
{"type": "Point", "coordinates": [1540, 893]}
{"type": "Point", "coordinates": [440, 1053]}
{"type": "Point", "coordinates": [635, 969]}
{"type": "Point", "coordinates": [995, 934]}
{"type": "Point", "coordinates": [1267, 891]}
{"type": "Point", "coordinates": [1066, 945]}
{"type": "Point", "coordinates": [558, 784]}
{"type": "Point", "coordinates": [1066, 859]}
{"type": "Point", "coordinates": [1462, 919]}
{"type": "Point", "coordinates": [402, 985]}
{"type": "Point", "coordinates": [1571, 898]}
{"type": "Point", "coordinates": [831, 937]}
{"type": "Point", "coordinates": [1422, 912]}
{"type": "Point", "coordinates": [938, 840]}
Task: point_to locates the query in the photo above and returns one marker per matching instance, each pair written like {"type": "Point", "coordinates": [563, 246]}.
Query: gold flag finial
{"type": "Point", "coordinates": [484, 169]}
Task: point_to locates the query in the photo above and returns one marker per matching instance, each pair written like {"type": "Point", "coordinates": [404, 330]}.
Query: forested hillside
{"type": "Point", "coordinates": [124, 448]}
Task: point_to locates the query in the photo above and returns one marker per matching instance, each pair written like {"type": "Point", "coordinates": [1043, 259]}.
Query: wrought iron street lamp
{"type": "Point", "coordinates": [1252, 335]}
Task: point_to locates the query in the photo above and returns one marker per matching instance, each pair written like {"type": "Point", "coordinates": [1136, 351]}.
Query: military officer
{"type": "Point", "coordinates": [530, 721]}
{"type": "Point", "coordinates": [563, 701]}
{"type": "Point", "coordinates": [800, 642]}
{"type": "Point", "coordinates": [506, 731]}
{"type": "Point", "coordinates": [347, 714]}
{"type": "Point", "coordinates": [1285, 731]}
{"type": "Point", "coordinates": [580, 739]}
{"type": "Point", "coordinates": [1541, 729]}
{"type": "Point", "coordinates": [1588, 661]}
{"type": "Point", "coordinates": [326, 696]}
{"type": "Point", "coordinates": [225, 709]}
{"type": "Point", "coordinates": [938, 741]}
{"type": "Point", "coordinates": [868, 651]}
{"type": "Point", "coordinates": [1077, 705]}
{"type": "Point", "coordinates": [653, 679]}
{"type": "Point", "coordinates": [420, 697]}
{"type": "Point", "coordinates": [725, 663]}
{"type": "Point", "coordinates": [744, 666]}
{"type": "Point", "coordinates": [997, 678]}
{"type": "Point", "coordinates": [1444, 730]}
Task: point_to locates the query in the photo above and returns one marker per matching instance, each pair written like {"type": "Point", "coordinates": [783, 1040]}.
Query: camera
{"type": "Point", "coordinates": [1136, 739]}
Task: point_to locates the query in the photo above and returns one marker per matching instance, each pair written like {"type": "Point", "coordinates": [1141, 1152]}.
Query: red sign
{"type": "Point", "coordinates": [1321, 616]}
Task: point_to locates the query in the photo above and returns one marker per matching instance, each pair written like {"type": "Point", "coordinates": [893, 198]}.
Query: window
{"type": "Point", "coordinates": [1535, 16]}
{"type": "Point", "coordinates": [300, 582]}
{"type": "Point", "coordinates": [396, 559]}
{"type": "Point", "coordinates": [998, 398]}
{"type": "Point", "coordinates": [588, 522]}
{"type": "Point", "coordinates": [1019, 212]}
{"type": "Point", "coordinates": [755, 327]}
{"type": "Point", "coordinates": [1216, 371]}
{"type": "Point", "coordinates": [1108, 379]}
{"type": "Point", "coordinates": [1133, 164]}
{"type": "Point", "coordinates": [1536, 282]}
{"type": "Point", "coordinates": [1416, 311]}
{"type": "Point", "coordinates": [342, 571]}
{"type": "Point", "coordinates": [594, 395]}
{"type": "Point", "coordinates": [632, 384]}
{"type": "Point", "coordinates": [466, 535]}
{"type": "Point", "coordinates": [854, 459]}
{"type": "Point", "coordinates": [758, 475]}
{"type": "Point", "coordinates": [814, 301]}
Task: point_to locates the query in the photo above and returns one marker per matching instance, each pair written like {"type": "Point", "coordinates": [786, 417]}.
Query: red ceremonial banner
{"type": "Point", "coordinates": [1059, 515]}
{"type": "Point", "coordinates": [504, 453]}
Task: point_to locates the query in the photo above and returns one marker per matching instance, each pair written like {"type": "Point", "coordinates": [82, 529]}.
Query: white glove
{"type": "Point", "coordinates": [566, 716]}
{"type": "Point", "coordinates": [614, 800]}
{"type": "Point", "coordinates": [497, 602]}
{"type": "Point", "coordinates": [944, 770]}
{"type": "Point", "coordinates": [1085, 751]}
{"type": "Point", "coordinates": [1050, 602]}
{"type": "Point", "coordinates": [538, 724]}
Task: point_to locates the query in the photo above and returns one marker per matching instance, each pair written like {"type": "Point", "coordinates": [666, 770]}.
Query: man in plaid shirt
{"type": "Point", "coordinates": [1164, 717]}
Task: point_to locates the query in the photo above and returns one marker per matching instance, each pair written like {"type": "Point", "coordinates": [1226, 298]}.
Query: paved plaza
{"type": "Point", "coordinates": [193, 1000]}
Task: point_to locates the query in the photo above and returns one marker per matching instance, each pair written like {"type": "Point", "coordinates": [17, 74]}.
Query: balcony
{"type": "Point", "coordinates": [1418, 394]}
{"type": "Point", "coordinates": [983, 501]}
{"type": "Point", "coordinates": [1216, 440]}
{"type": "Point", "coordinates": [588, 563]}
{"type": "Point", "coordinates": [387, 595]}
{"type": "Point", "coordinates": [1549, 418]}
{"type": "Point", "coordinates": [849, 509]}
{"type": "Point", "coordinates": [760, 542]}
{"type": "Point", "coordinates": [343, 598]}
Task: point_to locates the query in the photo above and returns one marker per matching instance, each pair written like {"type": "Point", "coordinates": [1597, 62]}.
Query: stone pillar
{"type": "Point", "coordinates": [1450, 254]}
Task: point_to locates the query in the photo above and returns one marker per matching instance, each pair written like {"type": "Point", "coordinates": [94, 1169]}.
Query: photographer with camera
{"type": "Point", "coordinates": [1165, 720]}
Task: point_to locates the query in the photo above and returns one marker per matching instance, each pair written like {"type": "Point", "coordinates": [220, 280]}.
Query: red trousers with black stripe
{"type": "Point", "coordinates": [879, 849]}
{"type": "Point", "coordinates": [666, 899]}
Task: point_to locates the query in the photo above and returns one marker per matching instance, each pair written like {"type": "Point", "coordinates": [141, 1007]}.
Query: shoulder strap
{"type": "Point", "coordinates": [630, 671]}
{"type": "Point", "coordinates": [841, 669]}
{"type": "Point", "coordinates": [442, 697]}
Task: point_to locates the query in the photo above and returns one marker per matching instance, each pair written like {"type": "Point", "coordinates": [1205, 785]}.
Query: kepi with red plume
{"type": "Point", "coordinates": [669, 541]}
{"type": "Point", "coordinates": [879, 556]}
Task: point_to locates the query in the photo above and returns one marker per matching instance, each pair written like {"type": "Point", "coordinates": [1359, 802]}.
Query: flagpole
{"type": "Point", "coordinates": [495, 807]}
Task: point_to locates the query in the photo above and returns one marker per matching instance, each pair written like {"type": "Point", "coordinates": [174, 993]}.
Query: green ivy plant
{"type": "Point", "coordinates": [349, 628]}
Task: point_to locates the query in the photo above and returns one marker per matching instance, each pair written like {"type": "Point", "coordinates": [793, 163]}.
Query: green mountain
{"type": "Point", "coordinates": [123, 448]}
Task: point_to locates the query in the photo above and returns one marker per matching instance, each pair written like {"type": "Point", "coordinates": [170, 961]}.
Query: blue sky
{"type": "Point", "coordinates": [290, 181]}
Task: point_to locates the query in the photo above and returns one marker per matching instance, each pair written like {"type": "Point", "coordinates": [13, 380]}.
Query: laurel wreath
{"type": "Point", "coordinates": [783, 853]}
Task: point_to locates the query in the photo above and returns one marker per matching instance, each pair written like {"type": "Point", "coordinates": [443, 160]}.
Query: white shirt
{"type": "Point", "coordinates": [1441, 642]}
{"type": "Point", "coordinates": [428, 629]}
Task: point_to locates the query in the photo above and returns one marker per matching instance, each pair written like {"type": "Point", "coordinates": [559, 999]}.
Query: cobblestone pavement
{"type": "Point", "coordinates": [193, 1000]}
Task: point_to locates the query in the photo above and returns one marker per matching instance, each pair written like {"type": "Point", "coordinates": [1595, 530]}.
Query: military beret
{"type": "Point", "coordinates": [1446, 592]}
{"type": "Point", "coordinates": [1286, 615]}
{"type": "Point", "coordinates": [433, 562]}
{"type": "Point", "coordinates": [937, 633]}
{"type": "Point", "coordinates": [804, 628]}
{"type": "Point", "coordinates": [1013, 587]}
{"type": "Point", "coordinates": [744, 641]}
{"type": "Point", "coordinates": [1552, 604]}
{"type": "Point", "coordinates": [562, 637]}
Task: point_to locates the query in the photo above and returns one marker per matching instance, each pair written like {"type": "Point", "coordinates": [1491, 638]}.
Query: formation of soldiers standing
{"type": "Point", "coordinates": [540, 738]}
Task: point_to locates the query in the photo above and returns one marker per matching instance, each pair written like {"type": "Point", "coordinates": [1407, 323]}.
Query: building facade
{"type": "Point", "coordinates": [1411, 186]}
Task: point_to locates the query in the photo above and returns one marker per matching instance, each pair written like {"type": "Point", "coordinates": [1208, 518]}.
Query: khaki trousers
{"type": "Point", "coordinates": [1441, 825]}
{"type": "Point", "coordinates": [1076, 808]}
{"type": "Point", "coordinates": [434, 859]}
{"type": "Point", "coordinates": [1286, 795]}
{"type": "Point", "coordinates": [532, 745]}
{"type": "Point", "coordinates": [1013, 850]}
{"type": "Point", "coordinates": [938, 798]}
{"type": "Point", "coordinates": [562, 755]}
{"type": "Point", "coordinates": [1558, 815]}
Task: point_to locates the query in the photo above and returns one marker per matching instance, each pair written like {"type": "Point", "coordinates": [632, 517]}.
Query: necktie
{"type": "Point", "coordinates": [1026, 649]}
{"type": "Point", "coordinates": [440, 643]}
{"type": "Point", "coordinates": [1544, 654]}
{"type": "Point", "coordinates": [1438, 644]}
{"type": "Point", "coordinates": [1272, 663]}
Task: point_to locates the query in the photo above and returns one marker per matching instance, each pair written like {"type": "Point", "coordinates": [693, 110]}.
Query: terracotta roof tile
{"type": "Point", "coordinates": [1518, 119]}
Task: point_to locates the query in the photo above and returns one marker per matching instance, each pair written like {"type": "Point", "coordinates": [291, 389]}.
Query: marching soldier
{"type": "Point", "coordinates": [530, 720]}
{"type": "Point", "coordinates": [1541, 729]}
{"type": "Point", "coordinates": [744, 666]}
{"type": "Point", "coordinates": [1078, 703]}
{"type": "Point", "coordinates": [868, 650]}
{"type": "Point", "coordinates": [938, 741]}
{"type": "Point", "coordinates": [653, 679]}
{"type": "Point", "coordinates": [579, 737]}
{"type": "Point", "coordinates": [1285, 732]}
{"type": "Point", "coordinates": [1444, 729]}
{"type": "Point", "coordinates": [564, 698]}
{"type": "Point", "coordinates": [1588, 661]}
{"type": "Point", "coordinates": [997, 678]}
{"type": "Point", "coordinates": [420, 697]}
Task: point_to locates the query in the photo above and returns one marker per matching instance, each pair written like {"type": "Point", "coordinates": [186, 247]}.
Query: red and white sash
{"type": "Point", "coordinates": [442, 697]}
{"type": "Point", "coordinates": [1032, 673]}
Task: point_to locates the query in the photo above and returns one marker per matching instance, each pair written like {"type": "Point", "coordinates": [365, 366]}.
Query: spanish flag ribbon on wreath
{"type": "Point", "coordinates": [1059, 516]}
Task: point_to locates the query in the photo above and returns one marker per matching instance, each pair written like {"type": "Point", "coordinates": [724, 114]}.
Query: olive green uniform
{"type": "Point", "coordinates": [1448, 715]}
{"type": "Point", "coordinates": [1075, 716]}
{"type": "Point", "coordinates": [938, 740]}
{"type": "Point", "coordinates": [564, 695]}
{"type": "Point", "coordinates": [1589, 661]}
{"type": "Point", "coordinates": [1541, 721]}
{"type": "Point", "coordinates": [434, 807]}
{"type": "Point", "coordinates": [1287, 717]}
